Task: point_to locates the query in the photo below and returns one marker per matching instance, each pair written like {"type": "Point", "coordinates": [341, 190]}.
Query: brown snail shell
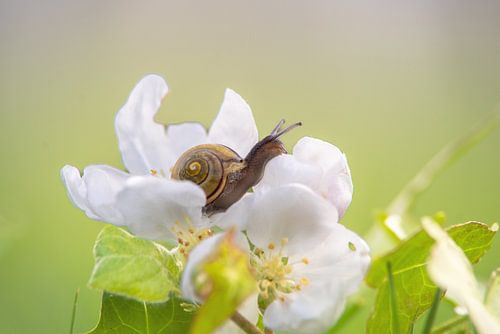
{"type": "Point", "coordinates": [208, 166]}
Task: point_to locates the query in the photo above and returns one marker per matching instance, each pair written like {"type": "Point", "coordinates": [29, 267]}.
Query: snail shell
{"type": "Point", "coordinates": [208, 166]}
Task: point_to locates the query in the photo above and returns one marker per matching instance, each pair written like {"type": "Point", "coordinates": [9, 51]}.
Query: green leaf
{"type": "Point", "coordinates": [133, 267]}
{"type": "Point", "coordinates": [228, 278]}
{"type": "Point", "coordinates": [415, 290]}
{"type": "Point", "coordinates": [121, 315]}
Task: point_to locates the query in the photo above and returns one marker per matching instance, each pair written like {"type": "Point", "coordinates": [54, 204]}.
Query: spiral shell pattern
{"type": "Point", "coordinates": [205, 166]}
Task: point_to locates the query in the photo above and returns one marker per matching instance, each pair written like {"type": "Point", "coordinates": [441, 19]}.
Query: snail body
{"type": "Point", "coordinates": [223, 175]}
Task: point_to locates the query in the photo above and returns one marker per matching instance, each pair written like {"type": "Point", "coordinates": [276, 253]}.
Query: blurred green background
{"type": "Point", "coordinates": [389, 82]}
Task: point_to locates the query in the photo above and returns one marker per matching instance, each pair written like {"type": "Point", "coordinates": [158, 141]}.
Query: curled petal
{"type": "Point", "coordinates": [142, 141]}
{"type": "Point", "coordinates": [234, 126]}
{"type": "Point", "coordinates": [293, 213]}
{"type": "Point", "coordinates": [336, 182]}
{"type": "Point", "coordinates": [95, 192]}
{"type": "Point", "coordinates": [152, 207]}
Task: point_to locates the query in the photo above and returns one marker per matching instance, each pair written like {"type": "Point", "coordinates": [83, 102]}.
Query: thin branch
{"type": "Point", "coordinates": [245, 324]}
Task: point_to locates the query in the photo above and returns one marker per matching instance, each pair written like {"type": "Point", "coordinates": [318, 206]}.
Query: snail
{"type": "Point", "coordinates": [223, 175]}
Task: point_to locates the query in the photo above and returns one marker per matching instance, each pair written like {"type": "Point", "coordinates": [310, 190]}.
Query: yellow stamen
{"type": "Point", "coordinates": [304, 281]}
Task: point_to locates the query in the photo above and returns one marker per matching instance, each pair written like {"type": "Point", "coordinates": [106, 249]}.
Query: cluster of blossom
{"type": "Point", "coordinates": [305, 262]}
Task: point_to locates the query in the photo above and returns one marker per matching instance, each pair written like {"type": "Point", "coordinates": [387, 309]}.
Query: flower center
{"type": "Point", "coordinates": [188, 237]}
{"type": "Point", "coordinates": [274, 273]}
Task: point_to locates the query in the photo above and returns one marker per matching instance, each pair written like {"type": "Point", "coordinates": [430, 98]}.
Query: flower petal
{"type": "Point", "coordinates": [181, 137]}
{"type": "Point", "coordinates": [293, 212]}
{"type": "Point", "coordinates": [236, 215]}
{"type": "Point", "coordinates": [95, 191]}
{"type": "Point", "coordinates": [336, 181]}
{"type": "Point", "coordinates": [234, 126]}
{"type": "Point", "coordinates": [311, 312]}
{"type": "Point", "coordinates": [342, 259]}
{"type": "Point", "coordinates": [142, 141]}
{"type": "Point", "coordinates": [286, 169]}
{"type": "Point", "coordinates": [334, 270]}
{"type": "Point", "coordinates": [151, 206]}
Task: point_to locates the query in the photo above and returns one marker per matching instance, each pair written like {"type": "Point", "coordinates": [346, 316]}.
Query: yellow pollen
{"type": "Point", "coordinates": [284, 241]}
{"type": "Point", "coordinates": [271, 246]}
{"type": "Point", "coordinates": [305, 260]}
{"type": "Point", "coordinates": [153, 172]}
{"type": "Point", "coordinates": [304, 281]}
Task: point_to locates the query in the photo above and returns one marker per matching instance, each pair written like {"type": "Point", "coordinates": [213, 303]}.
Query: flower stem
{"type": "Point", "coordinates": [245, 324]}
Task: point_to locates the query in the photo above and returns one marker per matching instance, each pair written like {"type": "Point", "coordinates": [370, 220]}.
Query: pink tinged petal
{"type": "Point", "coordinates": [336, 182]}
{"type": "Point", "coordinates": [142, 141]}
{"type": "Point", "coordinates": [181, 137]}
{"type": "Point", "coordinates": [286, 169]}
{"type": "Point", "coordinates": [152, 206]}
{"type": "Point", "coordinates": [234, 126]}
{"type": "Point", "coordinates": [293, 212]}
{"type": "Point", "coordinates": [95, 192]}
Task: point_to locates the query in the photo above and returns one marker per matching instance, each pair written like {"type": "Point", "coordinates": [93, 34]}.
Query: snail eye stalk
{"type": "Point", "coordinates": [278, 131]}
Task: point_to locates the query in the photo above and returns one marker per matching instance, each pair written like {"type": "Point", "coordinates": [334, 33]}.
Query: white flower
{"type": "Point", "coordinates": [317, 164]}
{"type": "Point", "coordinates": [450, 269]}
{"type": "Point", "coordinates": [306, 263]}
{"type": "Point", "coordinates": [152, 205]}
{"type": "Point", "coordinates": [146, 200]}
